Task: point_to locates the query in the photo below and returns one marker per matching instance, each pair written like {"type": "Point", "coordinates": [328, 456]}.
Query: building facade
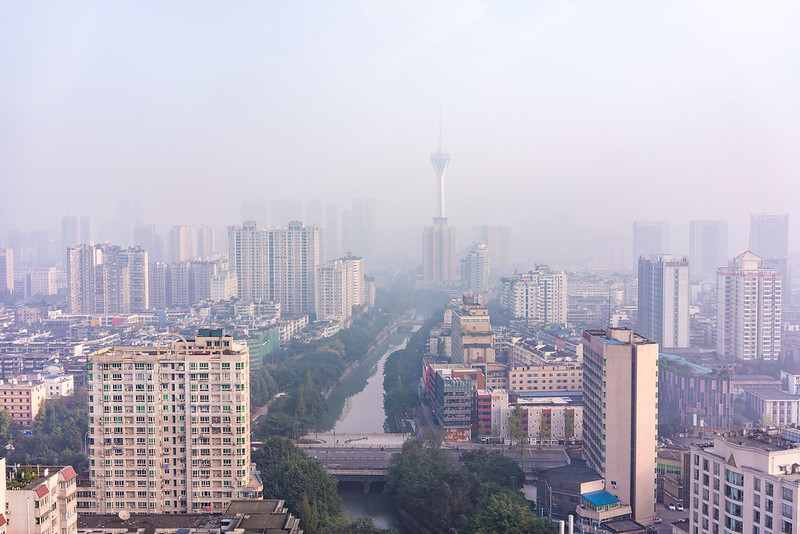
{"type": "Point", "coordinates": [475, 270]}
{"type": "Point", "coordinates": [471, 333]}
{"type": "Point", "coordinates": [23, 401]}
{"type": "Point", "coordinates": [748, 310]}
{"type": "Point", "coordinates": [620, 374]}
{"type": "Point", "coordinates": [540, 296]}
{"type": "Point", "coordinates": [41, 500]}
{"type": "Point", "coordinates": [664, 300]}
{"type": "Point", "coordinates": [745, 483]}
{"type": "Point", "coordinates": [650, 238]}
{"type": "Point", "coordinates": [169, 426]}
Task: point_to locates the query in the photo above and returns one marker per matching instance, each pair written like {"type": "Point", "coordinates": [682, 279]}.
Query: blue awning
{"type": "Point", "coordinates": [600, 498]}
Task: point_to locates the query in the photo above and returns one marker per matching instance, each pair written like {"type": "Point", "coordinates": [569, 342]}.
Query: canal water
{"type": "Point", "coordinates": [355, 406]}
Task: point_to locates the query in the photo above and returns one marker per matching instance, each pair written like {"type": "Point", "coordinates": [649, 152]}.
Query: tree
{"type": "Point", "coordinates": [517, 430]}
{"type": "Point", "coordinates": [362, 525]}
{"type": "Point", "coordinates": [765, 421]}
{"type": "Point", "coordinates": [509, 513]}
{"type": "Point", "coordinates": [494, 468]}
{"type": "Point", "coordinates": [289, 474]}
{"type": "Point", "coordinates": [5, 424]}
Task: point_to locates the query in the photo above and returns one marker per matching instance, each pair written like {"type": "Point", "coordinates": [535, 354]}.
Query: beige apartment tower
{"type": "Point", "coordinates": [169, 426]}
{"type": "Point", "coordinates": [620, 397]}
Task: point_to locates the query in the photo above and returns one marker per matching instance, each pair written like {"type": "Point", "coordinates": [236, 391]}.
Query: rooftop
{"type": "Point", "coordinates": [600, 498]}
{"type": "Point", "coordinates": [771, 394]}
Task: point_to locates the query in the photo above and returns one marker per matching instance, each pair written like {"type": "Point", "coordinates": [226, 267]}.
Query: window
{"type": "Point", "coordinates": [788, 494]}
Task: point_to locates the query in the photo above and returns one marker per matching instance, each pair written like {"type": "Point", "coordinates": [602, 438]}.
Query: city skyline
{"type": "Point", "coordinates": [538, 106]}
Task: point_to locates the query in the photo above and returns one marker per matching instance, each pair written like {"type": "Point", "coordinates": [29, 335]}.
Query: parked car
{"type": "Point", "coordinates": [679, 507]}
{"type": "Point", "coordinates": [656, 520]}
{"type": "Point", "coordinates": [671, 507]}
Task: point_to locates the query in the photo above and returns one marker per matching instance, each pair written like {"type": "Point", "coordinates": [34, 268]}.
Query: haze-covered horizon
{"type": "Point", "coordinates": [564, 120]}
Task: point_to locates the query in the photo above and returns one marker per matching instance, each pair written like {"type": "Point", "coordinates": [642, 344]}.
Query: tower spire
{"type": "Point", "coordinates": [440, 159]}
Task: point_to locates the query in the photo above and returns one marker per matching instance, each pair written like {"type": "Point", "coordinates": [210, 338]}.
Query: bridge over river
{"type": "Point", "coordinates": [366, 458]}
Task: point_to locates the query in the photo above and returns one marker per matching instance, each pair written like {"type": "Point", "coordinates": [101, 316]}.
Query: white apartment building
{"type": "Point", "coordinates": [169, 426]}
{"type": "Point", "coordinates": [664, 300]}
{"type": "Point", "coordinates": [277, 264]}
{"type": "Point", "coordinates": [340, 286]}
{"type": "Point", "coordinates": [475, 269]}
{"type": "Point", "coordinates": [539, 296]}
{"type": "Point", "coordinates": [107, 279]}
{"type": "Point", "coordinates": [42, 501]}
{"type": "Point", "coordinates": [745, 484]}
{"type": "Point", "coordinates": [223, 286]}
{"type": "Point", "coordinates": [58, 386]}
{"type": "Point", "coordinates": [748, 310]}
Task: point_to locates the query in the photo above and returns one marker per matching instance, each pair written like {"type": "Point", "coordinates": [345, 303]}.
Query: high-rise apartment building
{"type": "Point", "coordinates": [277, 264]}
{"type": "Point", "coordinates": [191, 242]}
{"type": "Point", "coordinates": [249, 247]}
{"type": "Point", "coordinates": [158, 285]}
{"type": "Point", "coordinates": [471, 333]}
{"type": "Point", "coordinates": [6, 270]}
{"type": "Point", "coordinates": [340, 287]}
{"type": "Point", "coordinates": [539, 296]}
{"type": "Point", "coordinates": [748, 310]}
{"type": "Point", "coordinates": [769, 238]}
{"type": "Point", "coordinates": [620, 383]}
{"type": "Point", "coordinates": [649, 238]}
{"type": "Point", "coordinates": [108, 279]}
{"type": "Point", "coordinates": [169, 426]}
{"type": "Point", "coordinates": [475, 269]}
{"type": "Point", "coordinates": [664, 300]}
{"type": "Point", "coordinates": [498, 241]}
{"type": "Point", "coordinates": [708, 248]}
{"type": "Point", "coordinates": [295, 261]}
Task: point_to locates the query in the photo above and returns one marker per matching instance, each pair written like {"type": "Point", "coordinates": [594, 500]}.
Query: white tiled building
{"type": "Point", "coordinates": [744, 485]}
{"type": "Point", "coordinates": [169, 426]}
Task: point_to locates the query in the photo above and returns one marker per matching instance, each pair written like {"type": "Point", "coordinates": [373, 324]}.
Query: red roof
{"type": "Point", "coordinates": [2, 520]}
{"type": "Point", "coordinates": [41, 491]}
{"type": "Point", "coordinates": [68, 473]}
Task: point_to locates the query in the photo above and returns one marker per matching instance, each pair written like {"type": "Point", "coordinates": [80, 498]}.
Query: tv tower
{"type": "Point", "coordinates": [440, 160]}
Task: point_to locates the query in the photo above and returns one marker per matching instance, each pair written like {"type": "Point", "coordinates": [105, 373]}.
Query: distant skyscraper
{"type": "Point", "coordinates": [76, 230]}
{"type": "Point", "coordinates": [475, 270]}
{"type": "Point", "coordinates": [769, 238]}
{"type": "Point", "coordinates": [664, 300]}
{"type": "Point", "coordinates": [649, 238]}
{"type": "Point", "coordinates": [748, 310]}
{"type": "Point", "coordinates": [334, 247]}
{"type": "Point", "coordinates": [498, 241]}
{"type": "Point", "coordinates": [314, 212]}
{"type": "Point", "coordinates": [6, 270]}
{"type": "Point", "coordinates": [147, 238]}
{"type": "Point", "coordinates": [439, 240]}
{"type": "Point", "coordinates": [620, 382]}
{"type": "Point", "coordinates": [285, 210]}
{"type": "Point", "coordinates": [158, 285]}
{"type": "Point", "coordinates": [708, 247]}
{"type": "Point", "coordinates": [254, 210]}
{"type": "Point", "coordinates": [340, 287]}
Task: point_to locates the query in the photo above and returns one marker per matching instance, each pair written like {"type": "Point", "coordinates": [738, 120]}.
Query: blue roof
{"type": "Point", "coordinates": [611, 341]}
{"type": "Point", "coordinates": [600, 498]}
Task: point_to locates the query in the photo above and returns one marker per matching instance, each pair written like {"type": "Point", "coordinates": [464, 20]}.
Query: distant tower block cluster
{"type": "Point", "coordinates": [439, 240]}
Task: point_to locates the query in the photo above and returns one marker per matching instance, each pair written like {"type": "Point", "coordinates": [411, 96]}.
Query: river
{"type": "Point", "coordinates": [359, 401]}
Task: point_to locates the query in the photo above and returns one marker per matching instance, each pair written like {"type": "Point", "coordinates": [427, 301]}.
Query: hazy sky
{"type": "Point", "coordinates": [565, 119]}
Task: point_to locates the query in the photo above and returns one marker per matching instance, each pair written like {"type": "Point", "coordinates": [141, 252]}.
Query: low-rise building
{"type": "Point", "coordinates": [41, 500]}
{"type": "Point", "coordinates": [59, 385]}
{"type": "Point", "coordinates": [546, 378]}
{"type": "Point", "coordinates": [745, 482]}
{"type": "Point", "coordinates": [23, 401]}
{"type": "Point", "coordinates": [772, 407]}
